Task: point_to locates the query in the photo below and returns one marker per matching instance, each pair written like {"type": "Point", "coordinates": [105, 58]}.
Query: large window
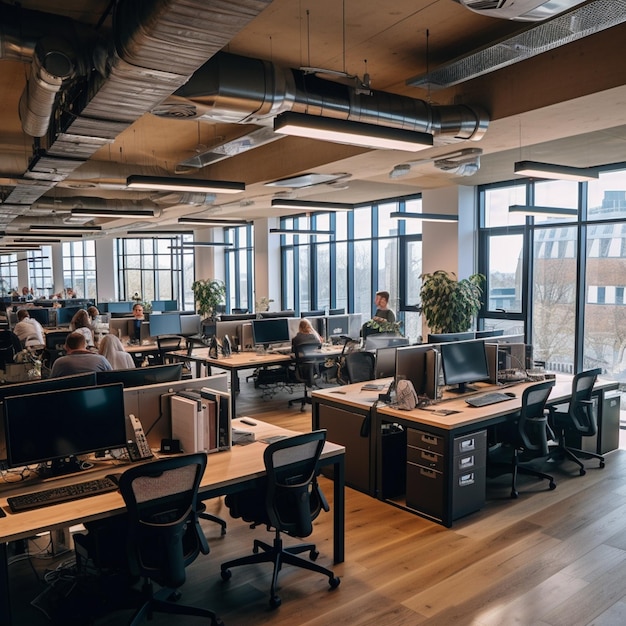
{"type": "Point", "coordinates": [154, 268]}
{"type": "Point", "coordinates": [79, 267]}
{"type": "Point", "coordinates": [8, 274]}
{"type": "Point", "coordinates": [239, 268]}
{"type": "Point", "coordinates": [40, 272]}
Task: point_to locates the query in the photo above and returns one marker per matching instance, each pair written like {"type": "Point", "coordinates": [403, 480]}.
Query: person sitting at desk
{"type": "Point", "coordinates": [98, 328]}
{"type": "Point", "coordinates": [81, 323]}
{"type": "Point", "coordinates": [78, 359]}
{"type": "Point", "coordinates": [138, 311]}
{"type": "Point", "coordinates": [306, 335]}
{"type": "Point", "coordinates": [112, 349]}
{"type": "Point", "coordinates": [28, 327]}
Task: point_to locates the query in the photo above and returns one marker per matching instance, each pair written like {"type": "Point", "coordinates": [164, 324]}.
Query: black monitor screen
{"type": "Point", "coordinates": [240, 317]}
{"type": "Point", "coordinates": [270, 314]}
{"type": "Point", "coordinates": [383, 340]}
{"type": "Point", "coordinates": [139, 376]}
{"type": "Point", "coordinates": [316, 313]}
{"type": "Point", "coordinates": [338, 325]}
{"type": "Point", "coordinates": [385, 363]}
{"type": "Point", "coordinates": [411, 365]}
{"type": "Point", "coordinates": [447, 337]}
{"type": "Point", "coordinates": [120, 307]}
{"type": "Point", "coordinates": [63, 424]}
{"type": "Point", "coordinates": [336, 311]}
{"type": "Point", "coordinates": [41, 315]}
{"type": "Point", "coordinates": [268, 331]}
{"type": "Point", "coordinates": [65, 314]}
{"type": "Point", "coordinates": [483, 334]}
{"type": "Point", "coordinates": [190, 324]}
{"type": "Point", "coordinates": [164, 305]}
{"type": "Point", "coordinates": [165, 324]}
{"type": "Point", "coordinates": [464, 362]}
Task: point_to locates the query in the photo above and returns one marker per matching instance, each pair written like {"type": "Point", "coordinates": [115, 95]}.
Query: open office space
{"type": "Point", "coordinates": [101, 97]}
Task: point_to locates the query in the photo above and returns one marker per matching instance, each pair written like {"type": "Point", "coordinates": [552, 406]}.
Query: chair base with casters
{"type": "Point", "coordinates": [527, 471]}
{"type": "Point", "coordinates": [563, 451]}
{"type": "Point", "coordinates": [214, 518]}
{"type": "Point", "coordinates": [278, 554]}
{"type": "Point", "coordinates": [303, 401]}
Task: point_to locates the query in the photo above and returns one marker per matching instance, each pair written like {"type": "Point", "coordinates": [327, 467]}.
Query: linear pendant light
{"type": "Point", "coordinates": [353, 133]}
{"type": "Point", "coordinates": [558, 172]}
{"type": "Point", "coordinates": [130, 213]}
{"type": "Point", "coordinates": [425, 217]}
{"type": "Point", "coordinates": [299, 231]}
{"type": "Point", "coordinates": [543, 210]}
{"type": "Point", "coordinates": [164, 183]}
{"type": "Point", "coordinates": [51, 236]}
{"type": "Point", "coordinates": [200, 221]}
{"type": "Point", "coordinates": [49, 228]}
{"type": "Point", "coordinates": [311, 205]}
{"type": "Point", "coordinates": [202, 244]}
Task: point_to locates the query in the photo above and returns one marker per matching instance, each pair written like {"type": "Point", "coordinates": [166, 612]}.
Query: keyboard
{"type": "Point", "coordinates": [65, 493]}
{"type": "Point", "coordinates": [488, 398]}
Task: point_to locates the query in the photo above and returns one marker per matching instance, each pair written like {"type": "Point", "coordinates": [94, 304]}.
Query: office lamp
{"type": "Point", "coordinates": [426, 217]}
{"type": "Point", "coordinates": [311, 205]}
{"type": "Point", "coordinates": [543, 210]}
{"type": "Point", "coordinates": [536, 169]}
{"type": "Point", "coordinates": [164, 183]}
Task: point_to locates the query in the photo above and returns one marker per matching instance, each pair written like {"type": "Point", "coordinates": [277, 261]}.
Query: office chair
{"type": "Point", "coordinates": [360, 366]}
{"type": "Point", "coordinates": [289, 502]}
{"type": "Point", "coordinates": [576, 419]}
{"type": "Point", "coordinates": [525, 437]}
{"type": "Point", "coordinates": [166, 344]}
{"type": "Point", "coordinates": [308, 359]}
{"type": "Point", "coordinates": [10, 345]}
{"type": "Point", "coordinates": [164, 535]}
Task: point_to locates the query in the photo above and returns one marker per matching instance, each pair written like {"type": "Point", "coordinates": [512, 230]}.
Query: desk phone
{"type": "Point", "coordinates": [139, 448]}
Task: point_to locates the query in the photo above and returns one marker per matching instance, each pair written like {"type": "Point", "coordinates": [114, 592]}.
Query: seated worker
{"type": "Point", "coordinates": [81, 323]}
{"type": "Point", "coordinates": [112, 349]}
{"type": "Point", "coordinates": [78, 359]}
{"type": "Point", "coordinates": [98, 328]}
{"type": "Point", "coordinates": [306, 335]}
{"type": "Point", "coordinates": [28, 327]}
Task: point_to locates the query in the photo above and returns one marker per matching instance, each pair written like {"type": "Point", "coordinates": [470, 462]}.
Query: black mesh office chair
{"type": "Point", "coordinates": [524, 438]}
{"type": "Point", "coordinates": [10, 345]}
{"type": "Point", "coordinates": [576, 419]}
{"type": "Point", "coordinates": [55, 346]}
{"type": "Point", "coordinates": [165, 345]}
{"type": "Point", "coordinates": [308, 359]}
{"type": "Point", "coordinates": [360, 366]}
{"type": "Point", "coordinates": [289, 503]}
{"type": "Point", "coordinates": [164, 535]}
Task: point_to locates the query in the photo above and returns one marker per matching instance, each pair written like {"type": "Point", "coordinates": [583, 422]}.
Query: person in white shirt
{"type": "Point", "coordinates": [112, 349]}
{"type": "Point", "coordinates": [28, 327]}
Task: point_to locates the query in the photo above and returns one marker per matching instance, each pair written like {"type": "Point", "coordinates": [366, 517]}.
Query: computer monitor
{"type": "Point", "coordinates": [137, 330]}
{"type": "Point", "coordinates": [383, 340]}
{"type": "Point", "coordinates": [385, 363]}
{"type": "Point", "coordinates": [270, 331]}
{"type": "Point", "coordinates": [483, 334]}
{"type": "Point", "coordinates": [271, 314]}
{"type": "Point", "coordinates": [164, 305]}
{"type": "Point", "coordinates": [66, 313]}
{"type": "Point", "coordinates": [316, 313]}
{"type": "Point", "coordinates": [190, 325]}
{"type": "Point", "coordinates": [464, 362]}
{"type": "Point", "coordinates": [164, 324]}
{"type": "Point", "coordinates": [41, 315]}
{"type": "Point", "coordinates": [120, 307]}
{"type": "Point", "coordinates": [119, 326]}
{"type": "Point", "coordinates": [338, 325]}
{"type": "Point", "coordinates": [63, 425]}
{"type": "Point", "coordinates": [139, 376]}
{"type": "Point", "coordinates": [447, 337]}
{"type": "Point", "coordinates": [341, 311]}
{"type": "Point", "coordinates": [412, 364]}
{"type": "Point", "coordinates": [229, 317]}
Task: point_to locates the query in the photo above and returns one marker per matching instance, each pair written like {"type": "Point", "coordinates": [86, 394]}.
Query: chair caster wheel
{"type": "Point", "coordinates": [175, 596]}
{"type": "Point", "coordinates": [582, 471]}
{"type": "Point", "coordinates": [334, 582]}
{"type": "Point", "coordinates": [514, 494]}
{"type": "Point", "coordinates": [275, 602]}
{"type": "Point", "coordinates": [602, 463]}
{"type": "Point", "coordinates": [552, 485]}
{"type": "Point", "coordinates": [313, 555]}
{"type": "Point", "coordinates": [226, 574]}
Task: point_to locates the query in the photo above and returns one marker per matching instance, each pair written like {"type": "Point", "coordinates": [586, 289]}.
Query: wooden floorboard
{"type": "Point", "coordinates": [548, 558]}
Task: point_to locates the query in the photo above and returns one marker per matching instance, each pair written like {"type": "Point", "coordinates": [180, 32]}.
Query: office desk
{"type": "Point", "coordinates": [227, 472]}
{"type": "Point", "coordinates": [239, 361]}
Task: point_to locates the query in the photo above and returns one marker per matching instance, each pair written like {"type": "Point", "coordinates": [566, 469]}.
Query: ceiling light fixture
{"type": "Point", "coordinates": [536, 169]}
{"type": "Point", "coordinates": [353, 133]}
{"type": "Point", "coordinates": [199, 221]}
{"type": "Point", "coordinates": [164, 183]}
{"type": "Point", "coordinates": [311, 205]}
{"type": "Point", "coordinates": [543, 210]}
{"type": "Point", "coordinates": [63, 229]}
{"type": "Point", "coordinates": [425, 217]}
{"type": "Point", "coordinates": [129, 213]}
{"type": "Point", "coordinates": [300, 231]}
{"type": "Point", "coordinates": [52, 237]}
{"type": "Point", "coordinates": [152, 233]}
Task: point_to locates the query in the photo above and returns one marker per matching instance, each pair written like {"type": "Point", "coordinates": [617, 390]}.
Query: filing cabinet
{"type": "Point", "coordinates": [445, 477]}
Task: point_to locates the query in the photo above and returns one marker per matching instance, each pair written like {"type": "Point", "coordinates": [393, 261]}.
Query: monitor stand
{"type": "Point", "coordinates": [462, 388]}
{"type": "Point", "coordinates": [60, 467]}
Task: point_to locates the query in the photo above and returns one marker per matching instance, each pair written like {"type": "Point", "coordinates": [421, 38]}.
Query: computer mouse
{"type": "Point", "coordinates": [510, 394]}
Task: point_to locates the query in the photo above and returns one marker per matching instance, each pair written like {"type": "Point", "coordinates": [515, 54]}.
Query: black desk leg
{"type": "Point", "coordinates": [339, 509]}
{"type": "Point", "coordinates": [5, 592]}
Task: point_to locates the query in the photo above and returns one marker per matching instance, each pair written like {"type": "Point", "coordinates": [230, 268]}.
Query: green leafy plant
{"type": "Point", "coordinates": [208, 294]}
{"type": "Point", "coordinates": [385, 326]}
{"type": "Point", "coordinates": [449, 305]}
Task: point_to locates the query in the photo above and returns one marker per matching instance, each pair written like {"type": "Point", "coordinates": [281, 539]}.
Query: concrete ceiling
{"type": "Point", "coordinates": [566, 106]}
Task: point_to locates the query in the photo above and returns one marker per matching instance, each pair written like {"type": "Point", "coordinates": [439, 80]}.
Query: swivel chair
{"type": "Point", "coordinates": [360, 366]}
{"type": "Point", "coordinates": [524, 438]}
{"type": "Point", "coordinates": [10, 345]}
{"type": "Point", "coordinates": [308, 358]}
{"type": "Point", "coordinates": [165, 345]}
{"type": "Point", "coordinates": [289, 502]}
{"type": "Point", "coordinates": [577, 419]}
{"type": "Point", "coordinates": [164, 535]}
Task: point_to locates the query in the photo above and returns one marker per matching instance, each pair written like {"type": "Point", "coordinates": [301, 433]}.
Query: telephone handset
{"type": "Point", "coordinates": [139, 448]}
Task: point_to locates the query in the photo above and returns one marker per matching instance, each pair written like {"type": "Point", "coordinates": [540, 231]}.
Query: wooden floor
{"type": "Point", "coordinates": [548, 558]}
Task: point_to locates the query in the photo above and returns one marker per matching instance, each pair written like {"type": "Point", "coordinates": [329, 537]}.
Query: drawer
{"type": "Point", "coordinates": [425, 458]}
{"type": "Point", "coordinates": [425, 490]}
{"type": "Point", "coordinates": [425, 441]}
{"type": "Point", "coordinates": [470, 443]}
{"type": "Point", "coordinates": [468, 462]}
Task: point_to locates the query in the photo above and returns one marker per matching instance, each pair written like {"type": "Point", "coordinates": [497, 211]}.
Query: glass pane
{"type": "Point", "coordinates": [497, 202]}
{"type": "Point", "coordinates": [554, 292]}
{"type": "Point", "coordinates": [556, 193]}
{"type": "Point", "coordinates": [341, 276]}
{"type": "Point", "coordinates": [363, 298]}
{"type": "Point", "coordinates": [341, 225]}
{"type": "Point", "coordinates": [322, 259]}
{"type": "Point", "coordinates": [387, 225]}
{"type": "Point", "coordinates": [413, 227]}
{"type": "Point", "coordinates": [304, 278]}
{"type": "Point", "coordinates": [505, 272]}
{"type": "Point", "coordinates": [363, 223]}
{"type": "Point", "coordinates": [288, 287]}
{"type": "Point", "coordinates": [607, 196]}
{"type": "Point", "coordinates": [510, 327]}
{"type": "Point", "coordinates": [388, 271]}
{"type": "Point", "coordinates": [413, 272]}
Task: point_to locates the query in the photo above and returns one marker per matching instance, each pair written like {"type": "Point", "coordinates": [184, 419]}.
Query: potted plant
{"type": "Point", "coordinates": [449, 305]}
{"type": "Point", "coordinates": [208, 294]}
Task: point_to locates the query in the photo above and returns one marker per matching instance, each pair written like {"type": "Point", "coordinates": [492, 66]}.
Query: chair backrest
{"type": "Point", "coordinates": [164, 534]}
{"type": "Point", "coordinates": [308, 358]}
{"type": "Point", "coordinates": [533, 420]}
{"type": "Point", "coordinates": [293, 499]}
{"type": "Point", "coordinates": [10, 345]}
{"type": "Point", "coordinates": [165, 344]}
{"type": "Point", "coordinates": [360, 366]}
{"type": "Point", "coordinates": [580, 406]}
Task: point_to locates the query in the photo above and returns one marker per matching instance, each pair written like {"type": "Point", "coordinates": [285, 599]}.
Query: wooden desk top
{"type": "Point", "coordinates": [224, 469]}
{"type": "Point", "coordinates": [354, 394]}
